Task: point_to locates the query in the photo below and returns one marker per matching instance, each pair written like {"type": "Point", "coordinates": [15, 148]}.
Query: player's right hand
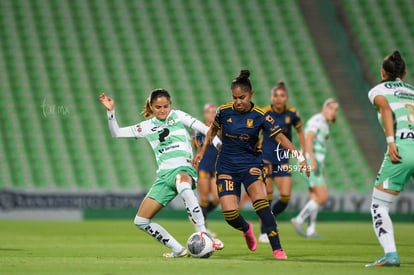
{"type": "Point", "coordinates": [313, 165]}
{"type": "Point", "coordinates": [305, 167]}
{"type": "Point", "coordinates": [196, 160]}
{"type": "Point", "coordinates": [107, 102]}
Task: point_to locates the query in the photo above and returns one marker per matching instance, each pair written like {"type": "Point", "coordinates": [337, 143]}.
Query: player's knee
{"type": "Point", "coordinates": [260, 204]}
{"type": "Point", "coordinates": [284, 198]}
{"type": "Point", "coordinates": [321, 199]}
{"type": "Point", "coordinates": [269, 196]}
{"type": "Point", "coordinates": [182, 186]}
{"type": "Point", "coordinates": [141, 222]}
{"type": "Point", "coordinates": [204, 203]}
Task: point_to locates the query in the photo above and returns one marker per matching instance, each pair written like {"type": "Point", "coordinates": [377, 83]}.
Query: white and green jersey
{"type": "Point", "coordinates": [169, 138]}
{"type": "Point", "coordinates": [400, 97]}
{"type": "Point", "coordinates": [318, 125]}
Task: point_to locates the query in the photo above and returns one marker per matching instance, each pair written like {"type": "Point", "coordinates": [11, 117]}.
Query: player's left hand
{"type": "Point", "coordinates": [393, 153]}
{"type": "Point", "coordinates": [305, 167]}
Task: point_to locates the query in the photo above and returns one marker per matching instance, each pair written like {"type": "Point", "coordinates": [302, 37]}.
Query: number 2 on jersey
{"type": "Point", "coordinates": [162, 135]}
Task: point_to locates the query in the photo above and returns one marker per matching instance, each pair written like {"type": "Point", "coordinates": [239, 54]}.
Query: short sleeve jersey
{"type": "Point", "coordinates": [400, 96]}
{"type": "Point", "coordinates": [288, 118]}
{"type": "Point", "coordinates": [240, 137]}
{"type": "Point", "coordinates": [169, 139]}
{"type": "Point", "coordinates": [318, 125]}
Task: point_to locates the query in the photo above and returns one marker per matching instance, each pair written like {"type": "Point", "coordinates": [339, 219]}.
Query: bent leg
{"type": "Point", "coordinates": [284, 185]}
{"type": "Point", "coordinates": [184, 189]}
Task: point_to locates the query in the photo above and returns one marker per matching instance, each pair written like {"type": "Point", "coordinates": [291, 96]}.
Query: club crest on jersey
{"type": "Point", "coordinates": [170, 121]}
{"type": "Point", "coordinates": [287, 119]}
{"type": "Point", "coordinates": [249, 123]}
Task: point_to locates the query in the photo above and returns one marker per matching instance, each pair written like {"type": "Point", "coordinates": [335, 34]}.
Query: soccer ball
{"type": "Point", "coordinates": [200, 245]}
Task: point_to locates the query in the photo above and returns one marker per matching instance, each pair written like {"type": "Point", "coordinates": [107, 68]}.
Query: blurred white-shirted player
{"type": "Point", "coordinates": [316, 135]}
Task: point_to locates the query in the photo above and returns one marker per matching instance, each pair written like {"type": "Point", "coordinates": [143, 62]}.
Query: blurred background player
{"type": "Point", "coordinates": [276, 162]}
{"type": "Point", "coordinates": [167, 134]}
{"type": "Point", "coordinates": [240, 162]}
{"type": "Point", "coordinates": [316, 136]}
{"type": "Point", "coordinates": [207, 187]}
{"type": "Point", "coordinates": [394, 101]}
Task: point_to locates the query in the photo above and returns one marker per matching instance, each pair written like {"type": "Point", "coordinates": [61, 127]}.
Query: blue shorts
{"type": "Point", "coordinates": [208, 162]}
{"type": "Point", "coordinates": [207, 167]}
{"type": "Point", "coordinates": [202, 174]}
{"type": "Point", "coordinates": [273, 170]}
{"type": "Point", "coordinates": [230, 184]}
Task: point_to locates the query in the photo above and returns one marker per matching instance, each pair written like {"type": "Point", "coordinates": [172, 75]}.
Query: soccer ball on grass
{"type": "Point", "coordinates": [200, 245]}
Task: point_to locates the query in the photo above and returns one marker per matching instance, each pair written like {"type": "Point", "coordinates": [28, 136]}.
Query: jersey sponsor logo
{"type": "Point", "coordinates": [254, 171]}
{"type": "Point", "coordinates": [170, 122]}
{"type": "Point", "coordinates": [224, 177]}
{"type": "Point", "coordinates": [404, 95]}
{"type": "Point", "coordinates": [163, 150]}
{"type": "Point", "coordinates": [139, 128]}
{"type": "Point", "coordinates": [249, 123]}
{"type": "Point", "coordinates": [274, 128]}
{"type": "Point", "coordinates": [229, 120]}
{"type": "Point", "coordinates": [407, 135]}
{"type": "Point", "coordinates": [244, 137]}
{"type": "Point", "coordinates": [393, 85]}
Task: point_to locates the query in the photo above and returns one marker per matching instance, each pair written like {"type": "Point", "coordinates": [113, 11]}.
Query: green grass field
{"type": "Point", "coordinates": [118, 247]}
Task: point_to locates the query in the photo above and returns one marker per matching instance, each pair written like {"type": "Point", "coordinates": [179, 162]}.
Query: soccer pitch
{"type": "Point", "coordinates": [118, 247]}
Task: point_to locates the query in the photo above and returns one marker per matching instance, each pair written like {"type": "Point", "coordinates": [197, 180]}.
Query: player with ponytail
{"type": "Point", "coordinates": [394, 101]}
{"type": "Point", "coordinates": [240, 161]}
{"type": "Point", "coordinates": [166, 131]}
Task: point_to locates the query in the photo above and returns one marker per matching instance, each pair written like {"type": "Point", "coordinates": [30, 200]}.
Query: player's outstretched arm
{"type": "Point", "coordinates": [200, 153]}
{"type": "Point", "coordinates": [116, 131]}
{"type": "Point", "coordinates": [107, 102]}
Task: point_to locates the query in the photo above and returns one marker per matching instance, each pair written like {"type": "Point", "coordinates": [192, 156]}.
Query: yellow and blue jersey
{"type": "Point", "coordinates": [288, 118]}
{"type": "Point", "coordinates": [240, 137]}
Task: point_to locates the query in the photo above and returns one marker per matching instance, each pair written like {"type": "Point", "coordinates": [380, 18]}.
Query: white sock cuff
{"type": "Point", "coordinates": [382, 198]}
{"type": "Point", "coordinates": [141, 221]}
{"type": "Point", "coordinates": [183, 186]}
{"type": "Point", "coordinates": [313, 204]}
